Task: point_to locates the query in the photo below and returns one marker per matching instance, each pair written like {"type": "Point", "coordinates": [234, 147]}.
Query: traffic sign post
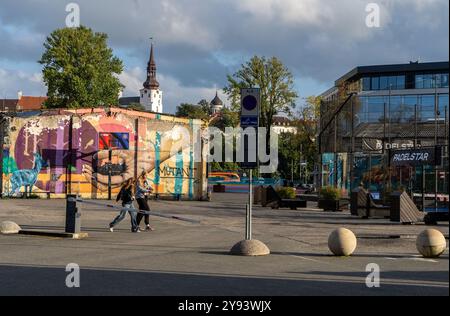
{"type": "Point", "coordinates": [250, 109]}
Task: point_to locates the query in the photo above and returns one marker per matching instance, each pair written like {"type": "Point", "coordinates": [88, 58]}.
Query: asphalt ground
{"type": "Point", "coordinates": [184, 259]}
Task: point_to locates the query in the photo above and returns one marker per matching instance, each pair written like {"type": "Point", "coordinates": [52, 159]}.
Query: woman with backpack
{"type": "Point", "coordinates": [126, 195]}
{"type": "Point", "coordinates": [142, 191]}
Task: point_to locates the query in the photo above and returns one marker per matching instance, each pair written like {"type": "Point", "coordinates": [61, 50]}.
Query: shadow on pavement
{"type": "Point", "coordinates": [31, 280]}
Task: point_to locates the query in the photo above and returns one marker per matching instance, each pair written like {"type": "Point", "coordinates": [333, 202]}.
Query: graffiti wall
{"type": "Point", "coordinates": [330, 177]}
{"type": "Point", "coordinates": [87, 152]}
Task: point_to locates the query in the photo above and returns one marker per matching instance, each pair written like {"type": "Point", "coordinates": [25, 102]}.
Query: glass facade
{"type": "Point", "coordinates": [363, 160]}
{"type": "Point", "coordinates": [400, 109]}
{"type": "Point", "coordinates": [421, 81]}
{"type": "Point", "coordinates": [356, 143]}
{"type": "Point", "coordinates": [384, 83]}
{"type": "Point", "coordinates": [431, 81]}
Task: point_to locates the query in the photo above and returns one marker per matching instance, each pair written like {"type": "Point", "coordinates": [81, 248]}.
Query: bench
{"type": "Point", "coordinates": [276, 202]}
{"type": "Point", "coordinates": [362, 205]}
{"type": "Point", "coordinates": [404, 210]}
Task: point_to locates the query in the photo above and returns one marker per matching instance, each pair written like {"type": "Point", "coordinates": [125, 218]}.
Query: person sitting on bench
{"type": "Point", "coordinates": [363, 205]}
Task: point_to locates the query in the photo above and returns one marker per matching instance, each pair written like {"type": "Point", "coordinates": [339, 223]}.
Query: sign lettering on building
{"type": "Point", "coordinates": [417, 157]}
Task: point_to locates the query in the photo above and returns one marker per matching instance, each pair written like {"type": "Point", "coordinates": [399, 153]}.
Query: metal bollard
{"type": "Point", "coordinates": [73, 216]}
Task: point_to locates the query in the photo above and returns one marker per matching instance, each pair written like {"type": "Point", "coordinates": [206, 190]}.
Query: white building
{"type": "Point", "coordinates": [216, 105]}
{"type": "Point", "coordinates": [282, 124]}
{"type": "Point", "coordinates": [151, 96]}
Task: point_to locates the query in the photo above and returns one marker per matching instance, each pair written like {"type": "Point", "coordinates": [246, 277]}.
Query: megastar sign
{"type": "Point", "coordinates": [417, 157]}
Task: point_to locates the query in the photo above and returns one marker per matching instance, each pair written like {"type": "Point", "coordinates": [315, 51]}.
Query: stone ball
{"type": "Point", "coordinates": [342, 242]}
{"type": "Point", "coordinates": [9, 228]}
{"type": "Point", "coordinates": [250, 248]}
{"type": "Point", "coordinates": [431, 243]}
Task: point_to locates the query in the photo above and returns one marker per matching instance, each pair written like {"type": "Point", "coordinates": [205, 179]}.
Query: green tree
{"type": "Point", "coordinates": [206, 107]}
{"type": "Point", "coordinates": [289, 156]}
{"type": "Point", "coordinates": [275, 81]}
{"type": "Point", "coordinates": [192, 111]}
{"type": "Point", "coordinates": [227, 118]}
{"type": "Point", "coordinates": [309, 115]}
{"type": "Point", "coordinates": [136, 107]}
{"type": "Point", "coordinates": [298, 152]}
{"type": "Point", "coordinates": [80, 70]}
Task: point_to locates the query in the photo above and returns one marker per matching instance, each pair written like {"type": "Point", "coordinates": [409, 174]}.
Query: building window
{"type": "Point", "coordinates": [375, 83]}
{"type": "Point", "coordinates": [366, 81]}
{"type": "Point", "coordinates": [443, 106]}
{"type": "Point", "coordinates": [375, 109]}
{"type": "Point", "coordinates": [444, 81]}
{"type": "Point", "coordinates": [401, 82]}
{"type": "Point", "coordinates": [409, 107]}
{"type": "Point", "coordinates": [431, 81]}
{"type": "Point", "coordinates": [428, 81]}
{"type": "Point", "coordinates": [384, 83]}
{"type": "Point", "coordinates": [392, 82]}
{"type": "Point", "coordinates": [427, 107]}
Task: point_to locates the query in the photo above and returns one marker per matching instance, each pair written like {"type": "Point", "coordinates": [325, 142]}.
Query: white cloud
{"type": "Point", "coordinates": [175, 26]}
{"type": "Point", "coordinates": [199, 42]}
{"type": "Point", "coordinates": [12, 81]}
{"type": "Point", "coordinates": [132, 80]}
{"type": "Point", "coordinates": [174, 93]}
{"type": "Point", "coordinates": [290, 11]}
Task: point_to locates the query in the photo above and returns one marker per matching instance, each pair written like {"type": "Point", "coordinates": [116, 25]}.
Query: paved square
{"type": "Point", "coordinates": [187, 259]}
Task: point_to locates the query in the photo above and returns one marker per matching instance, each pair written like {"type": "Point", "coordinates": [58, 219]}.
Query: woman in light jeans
{"type": "Point", "coordinates": [126, 195]}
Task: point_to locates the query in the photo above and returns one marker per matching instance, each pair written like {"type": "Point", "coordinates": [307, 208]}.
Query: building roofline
{"type": "Point", "coordinates": [411, 67]}
{"type": "Point", "coordinates": [113, 110]}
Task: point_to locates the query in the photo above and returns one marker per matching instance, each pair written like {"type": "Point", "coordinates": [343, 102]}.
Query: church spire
{"type": "Point", "coordinates": [151, 82]}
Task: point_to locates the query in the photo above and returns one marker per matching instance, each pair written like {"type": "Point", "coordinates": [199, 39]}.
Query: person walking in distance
{"type": "Point", "coordinates": [126, 195]}
{"type": "Point", "coordinates": [142, 191]}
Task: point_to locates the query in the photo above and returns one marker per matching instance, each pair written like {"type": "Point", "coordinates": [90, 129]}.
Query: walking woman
{"type": "Point", "coordinates": [142, 191]}
{"type": "Point", "coordinates": [126, 195]}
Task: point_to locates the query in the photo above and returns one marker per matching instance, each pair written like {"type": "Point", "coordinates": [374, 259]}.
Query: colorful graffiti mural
{"type": "Point", "coordinates": [330, 176]}
{"type": "Point", "coordinates": [26, 178]}
{"type": "Point", "coordinates": [85, 152]}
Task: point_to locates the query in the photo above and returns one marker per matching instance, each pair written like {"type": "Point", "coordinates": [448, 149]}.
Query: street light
{"type": "Point", "coordinates": [436, 129]}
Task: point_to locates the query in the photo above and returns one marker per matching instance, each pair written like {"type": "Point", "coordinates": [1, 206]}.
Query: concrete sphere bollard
{"type": "Point", "coordinates": [9, 228]}
{"type": "Point", "coordinates": [251, 248]}
{"type": "Point", "coordinates": [431, 243]}
{"type": "Point", "coordinates": [342, 242]}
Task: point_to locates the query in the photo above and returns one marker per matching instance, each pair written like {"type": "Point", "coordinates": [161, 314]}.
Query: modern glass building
{"type": "Point", "coordinates": [376, 112]}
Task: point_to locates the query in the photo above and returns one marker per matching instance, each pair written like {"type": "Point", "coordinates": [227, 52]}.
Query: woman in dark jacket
{"type": "Point", "coordinates": [142, 191]}
{"type": "Point", "coordinates": [126, 195]}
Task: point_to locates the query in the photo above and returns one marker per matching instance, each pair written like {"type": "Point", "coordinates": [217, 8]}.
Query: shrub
{"type": "Point", "coordinates": [330, 193]}
{"type": "Point", "coordinates": [286, 193]}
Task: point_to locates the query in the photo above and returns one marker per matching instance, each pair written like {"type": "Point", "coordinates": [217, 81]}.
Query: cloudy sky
{"type": "Point", "coordinates": [199, 42]}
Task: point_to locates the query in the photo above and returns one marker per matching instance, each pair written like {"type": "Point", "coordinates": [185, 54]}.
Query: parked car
{"type": "Point", "coordinates": [305, 189]}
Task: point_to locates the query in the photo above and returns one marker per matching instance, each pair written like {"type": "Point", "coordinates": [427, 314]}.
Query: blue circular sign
{"type": "Point", "coordinates": [249, 103]}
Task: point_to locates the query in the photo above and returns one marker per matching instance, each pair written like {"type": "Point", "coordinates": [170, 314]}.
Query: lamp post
{"type": "Point", "coordinates": [301, 158]}
{"type": "Point", "coordinates": [436, 130]}
{"type": "Point", "coordinates": [1, 155]}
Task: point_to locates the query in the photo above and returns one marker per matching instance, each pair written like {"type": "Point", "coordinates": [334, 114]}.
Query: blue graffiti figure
{"type": "Point", "coordinates": [27, 177]}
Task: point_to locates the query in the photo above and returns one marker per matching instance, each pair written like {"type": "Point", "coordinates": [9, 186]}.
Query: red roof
{"type": "Point", "coordinates": [31, 103]}
{"type": "Point", "coordinates": [8, 105]}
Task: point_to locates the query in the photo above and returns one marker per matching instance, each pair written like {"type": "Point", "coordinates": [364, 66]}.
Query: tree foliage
{"type": "Point", "coordinates": [192, 111]}
{"type": "Point", "coordinates": [136, 107]}
{"type": "Point", "coordinates": [275, 81]}
{"type": "Point", "coordinates": [295, 149]}
{"type": "Point", "coordinates": [309, 116]}
{"type": "Point", "coordinates": [80, 70]}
